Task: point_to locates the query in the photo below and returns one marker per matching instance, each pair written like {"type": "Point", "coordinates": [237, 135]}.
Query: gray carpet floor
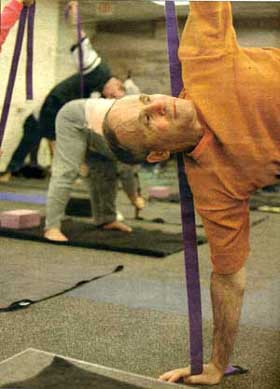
{"type": "Point", "coordinates": [136, 320]}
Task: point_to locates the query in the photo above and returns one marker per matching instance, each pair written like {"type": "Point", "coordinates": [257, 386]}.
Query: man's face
{"type": "Point", "coordinates": [156, 122]}
{"type": "Point", "coordinates": [113, 89]}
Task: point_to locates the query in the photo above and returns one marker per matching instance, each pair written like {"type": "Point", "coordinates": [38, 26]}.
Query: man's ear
{"type": "Point", "coordinates": [157, 156]}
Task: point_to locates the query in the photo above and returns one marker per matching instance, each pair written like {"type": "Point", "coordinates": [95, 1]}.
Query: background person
{"type": "Point", "coordinates": [79, 127]}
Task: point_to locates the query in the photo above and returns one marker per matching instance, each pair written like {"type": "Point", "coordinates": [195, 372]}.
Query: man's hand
{"type": "Point", "coordinates": [73, 11]}
{"type": "Point", "coordinates": [211, 375]}
{"type": "Point", "coordinates": [138, 202]}
{"type": "Point", "coordinates": [26, 2]}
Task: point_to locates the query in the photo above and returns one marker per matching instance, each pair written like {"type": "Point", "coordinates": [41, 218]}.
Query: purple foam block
{"type": "Point", "coordinates": [20, 218]}
{"type": "Point", "coordinates": [159, 192]}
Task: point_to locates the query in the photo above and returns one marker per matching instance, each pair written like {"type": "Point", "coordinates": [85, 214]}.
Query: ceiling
{"type": "Point", "coordinates": [137, 10]}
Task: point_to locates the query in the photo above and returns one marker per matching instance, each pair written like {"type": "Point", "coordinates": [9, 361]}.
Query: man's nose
{"type": "Point", "coordinates": [158, 107]}
{"type": "Point", "coordinates": [118, 94]}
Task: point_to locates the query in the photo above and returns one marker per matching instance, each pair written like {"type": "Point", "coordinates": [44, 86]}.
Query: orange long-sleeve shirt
{"type": "Point", "coordinates": [9, 16]}
{"type": "Point", "coordinates": [237, 95]}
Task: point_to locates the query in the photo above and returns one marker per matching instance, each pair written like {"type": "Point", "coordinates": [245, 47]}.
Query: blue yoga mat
{"type": "Point", "coordinates": [23, 198]}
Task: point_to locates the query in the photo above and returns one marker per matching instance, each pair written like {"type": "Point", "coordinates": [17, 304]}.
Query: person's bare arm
{"type": "Point", "coordinates": [131, 185]}
{"type": "Point", "coordinates": [73, 15]}
{"type": "Point", "coordinates": [227, 296]}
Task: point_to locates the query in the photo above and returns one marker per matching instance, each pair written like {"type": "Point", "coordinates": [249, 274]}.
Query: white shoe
{"type": "Point", "coordinates": [120, 217]}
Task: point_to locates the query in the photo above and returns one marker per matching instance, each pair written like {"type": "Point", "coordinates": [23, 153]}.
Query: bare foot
{"type": "Point", "coordinates": [116, 225]}
{"type": "Point", "coordinates": [55, 234]}
{"type": "Point", "coordinates": [211, 375]}
{"type": "Point", "coordinates": [6, 177]}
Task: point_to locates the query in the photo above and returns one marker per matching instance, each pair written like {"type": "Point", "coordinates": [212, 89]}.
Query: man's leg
{"type": "Point", "coordinates": [71, 145]}
{"type": "Point", "coordinates": [34, 155]}
{"type": "Point", "coordinates": [102, 182]}
{"type": "Point", "coordinates": [227, 297]}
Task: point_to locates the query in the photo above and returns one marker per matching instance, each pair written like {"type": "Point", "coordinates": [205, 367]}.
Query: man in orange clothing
{"type": "Point", "coordinates": [227, 122]}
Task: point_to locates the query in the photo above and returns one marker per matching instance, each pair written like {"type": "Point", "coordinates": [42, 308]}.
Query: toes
{"type": "Point", "coordinates": [175, 375]}
{"type": "Point", "coordinates": [170, 377]}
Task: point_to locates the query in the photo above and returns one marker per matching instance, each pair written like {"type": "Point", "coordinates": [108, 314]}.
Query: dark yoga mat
{"type": "Point", "coordinates": [62, 374]}
{"type": "Point", "coordinates": [140, 241]}
{"type": "Point", "coordinates": [78, 207]}
{"type": "Point", "coordinates": [258, 199]}
{"type": "Point", "coordinates": [81, 207]}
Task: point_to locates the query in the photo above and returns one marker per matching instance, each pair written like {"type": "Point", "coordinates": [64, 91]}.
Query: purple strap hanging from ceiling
{"type": "Point", "coordinates": [30, 45]}
{"type": "Point", "coordinates": [79, 34]}
{"type": "Point", "coordinates": [187, 208]}
{"type": "Point", "coordinates": [13, 72]}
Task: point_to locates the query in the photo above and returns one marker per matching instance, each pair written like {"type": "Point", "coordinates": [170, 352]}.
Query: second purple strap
{"type": "Point", "coordinates": [30, 45]}
{"type": "Point", "coordinates": [81, 60]}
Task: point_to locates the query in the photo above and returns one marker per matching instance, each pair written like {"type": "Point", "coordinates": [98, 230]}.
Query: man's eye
{"type": "Point", "coordinates": [147, 119]}
{"type": "Point", "coordinates": [145, 99]}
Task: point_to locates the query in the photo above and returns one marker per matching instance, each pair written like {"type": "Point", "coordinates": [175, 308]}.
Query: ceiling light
{"type": "Point", "coordinates": [177, 2]}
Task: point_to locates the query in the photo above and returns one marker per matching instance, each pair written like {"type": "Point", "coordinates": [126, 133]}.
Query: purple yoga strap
{"type": "Point", "coordinates": [14, 65]}
{"type": "Point", "coordinates": [187, 208]}
{"type": "Point", "coordinates": [81, 60]}
{"type": "Point", "coordinates": [30, 46]}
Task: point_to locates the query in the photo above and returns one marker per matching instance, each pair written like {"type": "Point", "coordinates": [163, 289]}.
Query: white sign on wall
{"type": "Point", "coordinates": [104, 8]}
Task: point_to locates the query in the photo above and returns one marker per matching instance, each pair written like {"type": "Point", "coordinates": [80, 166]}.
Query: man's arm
{"type": "Point", "coordinates": [227, 296]}
{"type": "Point", "coordinates": [131, 185]}
{"type": "Point", "coordinates": [208, 30]}
{"type": "Point", "coordinates": [226, 225]}
{"type": "Point", "coordinates": [90, 57]}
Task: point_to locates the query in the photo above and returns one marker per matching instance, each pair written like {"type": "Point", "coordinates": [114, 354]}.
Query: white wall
{"type": "Point", "coordinates": [45, 49]}
{"type": "Point", "coordinates": [137, 46]}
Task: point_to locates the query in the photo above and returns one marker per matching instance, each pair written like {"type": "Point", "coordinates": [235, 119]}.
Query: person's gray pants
{"type": "Point", "coordinates": [72, 138]}
{"type": "Point", "coordinates": [104, 173]}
